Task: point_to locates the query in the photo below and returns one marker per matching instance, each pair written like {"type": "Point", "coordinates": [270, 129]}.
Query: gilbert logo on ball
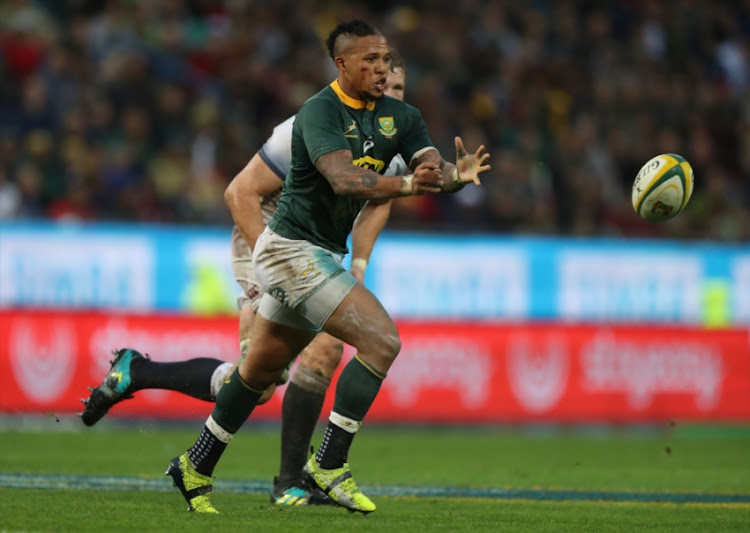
{"type": "Point", "coordinates": [663, 187]}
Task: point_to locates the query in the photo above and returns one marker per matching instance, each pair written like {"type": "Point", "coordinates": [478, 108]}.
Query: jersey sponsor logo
{"type": "Point", "coordinates": [387, 126]}
{"type": "Point", "coordinates": [370, 163]}
{"type": "Point", "coordinates": [348, 131]}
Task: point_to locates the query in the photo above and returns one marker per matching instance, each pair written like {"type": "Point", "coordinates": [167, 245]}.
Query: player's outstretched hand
{"type": "Point", "coordinates": [470, 166]}
{"type": "Point", "coordinates": [427, 178]}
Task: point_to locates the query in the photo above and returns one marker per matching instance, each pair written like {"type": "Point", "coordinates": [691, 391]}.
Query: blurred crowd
{"type": "Point", "coordinates": [144, 110]}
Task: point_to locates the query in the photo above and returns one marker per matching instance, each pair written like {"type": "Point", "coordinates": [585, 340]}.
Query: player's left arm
{"type": "Point", "coordinates": [467, 168]}
{"type": "Point", "coordinates": [368, 225]}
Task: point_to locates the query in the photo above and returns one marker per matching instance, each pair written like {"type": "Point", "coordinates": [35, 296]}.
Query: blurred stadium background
{"type": "Point", "coordinates": [122, 122]}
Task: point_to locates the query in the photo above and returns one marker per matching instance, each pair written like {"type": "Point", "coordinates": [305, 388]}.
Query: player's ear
{"type": "Point", "coordinates": [340, 63]}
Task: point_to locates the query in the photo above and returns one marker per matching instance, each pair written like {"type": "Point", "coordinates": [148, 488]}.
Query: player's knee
{"type": "Point", "coordinates": [394, 346]}
{"type": "Point", "coordinates": [331, 350]}
{"type": "Point", "coordinates": [268, 394]}
{"type": "Point", "coordinates": [220, 375]}
{"type": "Point", "coordinates": [260, 373]}
{"type": "Point", "coordinates": [323, 358]}
{"type": "Point", "coordinates": [384, 344]}
{"type": "Point", "coordinates": [385, 347]}
{"type": "Point", "coordinates": [310, 380]}
{"type": "Point", "coordinates": [389, 345]}
{"type": "Point", "coordinates": [381, 353]}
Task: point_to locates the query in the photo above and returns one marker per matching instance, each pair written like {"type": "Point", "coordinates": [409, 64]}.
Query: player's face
{"type": "Point", "coordinates": [396, 83]}
{"type": "Point", "coordinates": [366, 67]}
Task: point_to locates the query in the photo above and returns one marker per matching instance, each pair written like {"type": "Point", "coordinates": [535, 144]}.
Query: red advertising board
{"type": "Point", "coordinates": [446, 372]}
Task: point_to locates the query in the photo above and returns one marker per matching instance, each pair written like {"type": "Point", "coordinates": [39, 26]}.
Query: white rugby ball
{"type": "Point", "coordinates": [663, 187]}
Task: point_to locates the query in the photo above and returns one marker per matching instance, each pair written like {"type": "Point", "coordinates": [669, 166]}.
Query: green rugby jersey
{"type": "Point", "coordinates": [374, 132]}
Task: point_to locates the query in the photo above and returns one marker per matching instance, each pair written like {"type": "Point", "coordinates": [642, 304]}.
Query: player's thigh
{"type": "Point", "coordinates": [274, 338]}
{"type": "Point", "coordinates": [361, 321]}
{"type": "Point", "coordinates": [311, 282]}
{"type": "Point", "coordinates": [323, 354]}
{"type": "Point", "coordinates": [247, 313]}
{"type": "Point", "coordinates": [272, 347]}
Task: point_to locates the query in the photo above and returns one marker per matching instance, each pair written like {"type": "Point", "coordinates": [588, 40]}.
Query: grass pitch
{"type": "Point", "coordinates": [110, 478]}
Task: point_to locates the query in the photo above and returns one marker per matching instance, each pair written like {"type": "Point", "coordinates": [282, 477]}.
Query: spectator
{"type": "Point", "coordinates": [10, 197]}
{"type": "Point", "coordinates": [143, 111]}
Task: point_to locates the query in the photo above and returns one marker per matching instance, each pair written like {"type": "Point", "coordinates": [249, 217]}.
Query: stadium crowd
{"type": "Point", "coordinates": [143, 110]}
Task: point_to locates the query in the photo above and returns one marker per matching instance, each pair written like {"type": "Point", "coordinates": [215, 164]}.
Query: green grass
{"type": "Point", "coordinates": [116, 511]}
{"type": "Point", "coordinates": [682, 460]}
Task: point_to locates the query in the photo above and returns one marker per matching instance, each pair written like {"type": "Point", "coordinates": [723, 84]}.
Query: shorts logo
{"type": "Point", "coordinates": [387, 126]}
{"type": "Point", "coordinates": [279, 294]}
{"type": "Point", "coordinates": [253, 293]}
{"type": "Point", "coordinates": [310, 268]}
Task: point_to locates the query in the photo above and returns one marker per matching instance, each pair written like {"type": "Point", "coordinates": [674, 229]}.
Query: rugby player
{"type": "Point", "coordinates": [252, 197]}
{"type": "Point", "coordinates": [342, 140]}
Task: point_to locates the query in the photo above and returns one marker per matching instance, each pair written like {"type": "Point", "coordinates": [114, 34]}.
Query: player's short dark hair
{"type": "Point", "coordinates": [397, 62]}
{"type": "Point", "coordinates": [356, 28]}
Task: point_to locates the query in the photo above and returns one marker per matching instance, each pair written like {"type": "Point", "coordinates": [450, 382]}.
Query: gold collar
{"type": "Point", "coordinates": [348, 100]}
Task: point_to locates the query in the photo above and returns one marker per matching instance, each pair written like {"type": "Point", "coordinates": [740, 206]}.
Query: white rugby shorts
{"type": "Point", "coordinates": [304, 283]}
{"type": "Point", "coordinates": [242, 267]}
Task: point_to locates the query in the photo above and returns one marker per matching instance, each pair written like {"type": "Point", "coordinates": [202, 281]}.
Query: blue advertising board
{"type": "Point", "coordinates": [144, 268]}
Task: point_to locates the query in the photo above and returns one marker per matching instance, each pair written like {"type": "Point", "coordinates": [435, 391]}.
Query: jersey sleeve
{"type": "Point", "coordinates": [276, 152]}
{"type": "Point", "coordinates": [417, 138]}
{"type": "Point", "coordinates": [319, 122]}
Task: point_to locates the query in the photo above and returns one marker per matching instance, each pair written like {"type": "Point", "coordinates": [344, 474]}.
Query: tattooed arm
{"type": "Point", "coordinates": [347, 179]}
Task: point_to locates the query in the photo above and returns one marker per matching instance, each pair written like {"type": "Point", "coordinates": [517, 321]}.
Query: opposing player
{"type": "Point", "coordinates": [342, 139]}
{"type": "Point", "coordinates": [252, 197]}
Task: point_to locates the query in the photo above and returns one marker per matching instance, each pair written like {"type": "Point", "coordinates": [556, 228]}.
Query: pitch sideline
{"type": "Point", "coordinates": [67, 482]}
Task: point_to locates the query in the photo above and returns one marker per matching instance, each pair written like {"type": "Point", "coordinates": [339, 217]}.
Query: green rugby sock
{"type": "Point", "coordinates": [357, 388]}
{"type": "Point", "coordinates": [234, 403]}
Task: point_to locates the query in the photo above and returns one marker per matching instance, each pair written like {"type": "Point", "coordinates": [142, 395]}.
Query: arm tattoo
{"type": "Point", "coordinates": [359, 179]}
{"type": "Point", "coordinates": [343, 175]}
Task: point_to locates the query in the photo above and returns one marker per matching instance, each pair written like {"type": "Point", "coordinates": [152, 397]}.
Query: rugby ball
{"type": "Point", "coordinates": [663, 187]}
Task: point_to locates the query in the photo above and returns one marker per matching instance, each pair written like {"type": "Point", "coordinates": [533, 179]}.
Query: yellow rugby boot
{"type": "Point", "coordinates": [194, 487]}
{"type": "Point", "coordinates": [339, 485]}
